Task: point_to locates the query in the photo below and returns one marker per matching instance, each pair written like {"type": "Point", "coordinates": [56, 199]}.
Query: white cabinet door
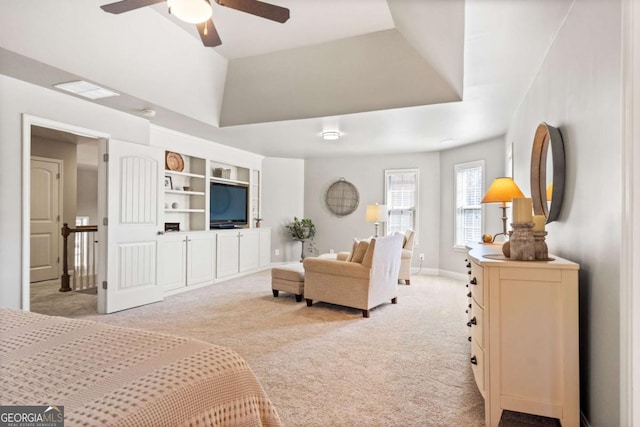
{"type": "Point", "coordinates": [249, 250]}
{"type": "Point", "coordinates": [201, 258]}
{"type": "Point", "coordinates": [227, 253]}
{"type": "Point", "coordinates": [172, 258]}
{"type": "Point", "coordinates": [265, 247]}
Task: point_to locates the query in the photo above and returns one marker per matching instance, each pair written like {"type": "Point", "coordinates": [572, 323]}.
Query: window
{"type": "Point", "coordinates": [469, 192]}
{"type": "Point", "coordinates": [401, 188]}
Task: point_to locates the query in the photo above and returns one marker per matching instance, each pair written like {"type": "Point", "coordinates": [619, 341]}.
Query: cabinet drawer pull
{"type": "Point", "coordinates": [472, 322]}
{"type": "Point", "coordinates": [474, 281]}
{"type": "Point", "coordinates": [468, 265]}
{"type": "Point", "coordinates": [469, 272]}
{"type": "Point", "coordinates": [469, 305]}
{"type": "Point", "coordinates": [469, 295]}
{"type": "Point", "coordinates": [469, 339]}
{"type": "Point", "coordinates": [466, 311]}
{"type": "Point", "coordinates": [474, 360]}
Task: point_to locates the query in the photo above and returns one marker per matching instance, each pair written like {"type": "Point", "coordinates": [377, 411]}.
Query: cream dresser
{"type": "Point", "coordinates": [523, 320]}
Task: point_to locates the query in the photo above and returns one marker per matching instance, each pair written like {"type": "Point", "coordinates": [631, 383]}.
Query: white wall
{"type": "Point", "coordinates": [17, 98]}
{"type": "Point", "coordinates": [367, 174]}
{"type": "Point", "coordinates": [493, 154]}
{"type": "Point", "coordinates": [282, 199]}
{"type": "Point", "coordinates": [578, 89]}
{"type": "Point", "coordinates": [87, 201]}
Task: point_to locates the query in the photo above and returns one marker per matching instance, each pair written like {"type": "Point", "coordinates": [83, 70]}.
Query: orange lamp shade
{"type": "Point", "coordinates": [503, 190]}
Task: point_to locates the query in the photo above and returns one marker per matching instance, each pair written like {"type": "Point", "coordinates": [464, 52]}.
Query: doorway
{"type": "Point", "coordinates": [62, 189]}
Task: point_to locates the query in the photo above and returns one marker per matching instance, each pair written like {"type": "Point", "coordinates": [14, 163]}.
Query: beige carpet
{"type": "Point", "coordinates": [407, 365]}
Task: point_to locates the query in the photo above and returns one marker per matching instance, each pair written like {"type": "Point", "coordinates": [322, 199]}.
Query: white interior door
{"type": "Point", "coordinates": [45, 219]}
{"type": "Point", "coordinates": [135, 174]}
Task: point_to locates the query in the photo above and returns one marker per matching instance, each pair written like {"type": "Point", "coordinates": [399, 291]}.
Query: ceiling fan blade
{"type": "Point", "coordinates": [127, 5]}
{"type": "Point", "coordinates": [258, 8]}
{"type": "Point", "coordinates": [211, 38]}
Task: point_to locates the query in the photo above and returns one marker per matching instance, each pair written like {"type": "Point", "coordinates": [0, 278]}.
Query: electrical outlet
{"type": "Point", "coordinates": [421, 257]}
{"type": "Point", "coordinates": [277, 252]}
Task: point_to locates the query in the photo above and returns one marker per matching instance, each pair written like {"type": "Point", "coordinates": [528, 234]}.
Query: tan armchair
{"type": "Point", "coordinates": [407, 255]}
{"type": "Point", "coordinates": [364, 282]}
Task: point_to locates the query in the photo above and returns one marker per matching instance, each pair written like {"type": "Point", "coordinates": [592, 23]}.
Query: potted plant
{"type": "Point", "coordinates": [301, 229]}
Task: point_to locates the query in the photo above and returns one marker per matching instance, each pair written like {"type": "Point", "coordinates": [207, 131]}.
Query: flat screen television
{"type": "Point", "coordinates": [227, 205]}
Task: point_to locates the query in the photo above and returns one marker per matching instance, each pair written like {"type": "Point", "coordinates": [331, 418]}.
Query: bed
{"type": "Point", "coordinates": [113, 376]}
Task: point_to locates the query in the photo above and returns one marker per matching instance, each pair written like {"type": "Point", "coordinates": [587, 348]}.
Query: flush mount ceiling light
{"type": "Point", "coordinates": [191, 11]}
{"type": "Point", "coordinates": [147, 112]}
{"type": "Point", "coordinates": [330, 135]}
{"type": "Point", "coordinates": [86, 89]}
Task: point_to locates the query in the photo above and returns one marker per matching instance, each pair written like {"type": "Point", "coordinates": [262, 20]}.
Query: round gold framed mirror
{"type": "Point", "coordinates": [547, 172]}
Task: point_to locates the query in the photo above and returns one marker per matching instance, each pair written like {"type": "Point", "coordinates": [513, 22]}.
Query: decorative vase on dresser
{"type": "Point", "coordinates": [523, 317]}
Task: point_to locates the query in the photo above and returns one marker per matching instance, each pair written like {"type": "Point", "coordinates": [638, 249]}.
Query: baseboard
{"type": "Point", "coordinates": [424, 271]}
{"type": "Point", "coordinates": [453, 275]}
{"type": "Point", "coordinates": [584, 422]}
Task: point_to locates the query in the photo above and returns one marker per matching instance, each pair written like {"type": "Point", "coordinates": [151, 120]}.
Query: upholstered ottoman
{"type": "Point", "coordinates": [288, 278]}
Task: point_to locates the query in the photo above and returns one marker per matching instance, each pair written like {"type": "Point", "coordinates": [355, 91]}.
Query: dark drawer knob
{"type": "Point", "coordinates": [466, 286]}
{"type": "Point", "coordinates": [474, 281]}
{"type": "Point", "coordinates": [469, 272]}
{"type": "Point", "coordinates": [472, 322]}
{"type": "Point", "coordinates": [468, 265]}
{"type": "Point", "coordinates": [474, 361]}
{"type": "Point", "coordinates": [469, 295]}
{"type": "Point", "coordinates": [469, 339]}
{"type": "Point", "coordinates": [466, 311]}
{"type": "Point", "coordinates": [469, 305]}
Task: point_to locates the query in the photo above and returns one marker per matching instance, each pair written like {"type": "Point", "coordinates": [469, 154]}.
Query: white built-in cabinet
{"type": "Point", "coordinates": [242, 250]}
{"type": "Point", "coordinates": [195, 255]}
{"type": "Point", "coordinates": [186, 260]}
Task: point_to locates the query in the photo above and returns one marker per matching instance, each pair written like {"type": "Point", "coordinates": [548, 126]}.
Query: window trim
{"type": "Point", "coordinates": [416, 217]}
{"type": "Point", "coordinates": [456, 168]}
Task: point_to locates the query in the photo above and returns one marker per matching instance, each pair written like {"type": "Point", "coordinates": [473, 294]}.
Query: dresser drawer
{"type": "Point", "coordinates": [477, 323]}
{"type": "Point", "coordinates": [477, 365]}
{"type": "Point", "coordinates": [476, 283]}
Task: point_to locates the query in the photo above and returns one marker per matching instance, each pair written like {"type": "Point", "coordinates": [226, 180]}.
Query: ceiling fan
{"type": "Point", "coordinates": [199, 12]}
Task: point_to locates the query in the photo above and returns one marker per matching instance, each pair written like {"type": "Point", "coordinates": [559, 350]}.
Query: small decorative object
{"type": "Point", "coordinates": [171, 226]}
{"type": "Point", "coordinates": [540, 246]}
{"type": "Point", "coordinates": [174, 161]}
{"type": "Point", "coordinates": [174, 205]}
{"type": "Point", "coordinates": [522, 243]}
{"type": "Point", "coordinates": [522, 211]}
{"type": "Point", "coordinates": [506, 249]}
{"type": "Point", "coordinates": [342, 198]}
{"type": "Point", "coordinates": [186, 188]}
{"type": "Point", "coordinates": [222, 173]}
{"type": "Point", "coordinates": [301, 230]}
{"type": "Point", "coordinates": [258, 222]}
{"type": "Point", "coordinates": [168, 183]}
{"type": "Point", "coordinates": [487, 238]}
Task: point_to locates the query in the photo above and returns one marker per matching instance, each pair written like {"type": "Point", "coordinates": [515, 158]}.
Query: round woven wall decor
{"type": "Point", "coordinates": [342, 197]}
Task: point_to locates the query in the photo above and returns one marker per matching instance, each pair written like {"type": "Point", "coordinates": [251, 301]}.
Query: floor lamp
{"type": "Point", "coordinates": [502, 190]}
{"type": "Point", "coordinates": [376, 214]}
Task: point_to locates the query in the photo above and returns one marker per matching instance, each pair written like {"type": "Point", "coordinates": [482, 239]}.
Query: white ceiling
{"type": "Point", "coordinates": [482, 63]}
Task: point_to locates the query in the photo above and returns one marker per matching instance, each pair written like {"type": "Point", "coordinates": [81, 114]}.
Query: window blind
{"type": "Point", "coordinates": [469, 192]}
{"type": "Point", "coordinates": [401, 200]}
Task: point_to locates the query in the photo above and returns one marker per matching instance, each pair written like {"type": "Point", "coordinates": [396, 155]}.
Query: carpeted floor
{"type": "Point", "coordinates": [407, 365]}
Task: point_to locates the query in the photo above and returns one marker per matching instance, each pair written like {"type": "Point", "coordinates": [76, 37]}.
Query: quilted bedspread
{"type": "Point", "coordinates": [113, 376]}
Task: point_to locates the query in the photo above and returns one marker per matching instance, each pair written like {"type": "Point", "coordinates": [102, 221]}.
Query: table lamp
{"type": "Point", "coordinates": [376, 214]}
{"type": "Point", "coordinates": [502, 190]}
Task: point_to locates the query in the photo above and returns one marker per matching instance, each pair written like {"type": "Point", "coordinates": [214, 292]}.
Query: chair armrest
{"type": "Point", "coordinates": [336, 268]}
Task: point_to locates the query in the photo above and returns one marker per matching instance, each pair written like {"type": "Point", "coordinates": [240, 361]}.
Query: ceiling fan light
{"type": "Point", "coordinates": [191, 11]}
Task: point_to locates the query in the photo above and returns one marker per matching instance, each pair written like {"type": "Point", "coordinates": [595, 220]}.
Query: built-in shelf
{"type": "Point", "coordinates": [187, 174]}
{"type": "Point", "coordinates": [230, 181]}
{"type": "Point", "coordinates": [185, 193]}
{"type": "Point", "coordinates": [185, 210]}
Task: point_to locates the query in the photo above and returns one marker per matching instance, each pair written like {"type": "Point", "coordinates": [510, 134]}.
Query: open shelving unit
{"type": "Point", "coordinates": [187, 207]}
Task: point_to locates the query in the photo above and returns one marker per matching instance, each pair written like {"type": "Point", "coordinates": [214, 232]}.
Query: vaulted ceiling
{"type": "Point", "coordinates": [391, 76]}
